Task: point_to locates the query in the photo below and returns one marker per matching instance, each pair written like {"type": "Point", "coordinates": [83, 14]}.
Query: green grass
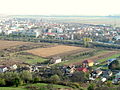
{"type": "Point", "coordinates": [12, 88]}
{"type": "Point", "coordinates": [77, 60]}
{"type": "Point", "coordinates": [31, 59]}
{"type": "Point", "coordinates": [44, 84]}
{"type": "Point", "coordinates": [113, 56]}
{"type": "Point", "coordinates": [105, 59]}
{"type": "Point", "coordinates": [39, 85]}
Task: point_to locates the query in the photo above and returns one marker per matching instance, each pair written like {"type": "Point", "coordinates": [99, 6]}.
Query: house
{"type": "Point", "coordinates": [107, 74]}
{"type": "Point", "coordinates": [13, 67]}
{"type": "Point", "coordinates": [95, 74]}
{"type": "Point", "coordinates": [103, 79]}
{"type": "Point", "coordinates": [3, 68]}
{"type": "Point", "coordinates": [96, 63]}
{"type": "Point", "coordinates": [111, 60]}
{"type": "Point", "coordinates": [117, 78]}
{"type": "Point", "coordinates": [55, 60]}
{"type": "Point", "coordinates": [117, 37]}
{"type": "Point", "coordinates": [82, 69]}
{"type": "Point", "coordinates": [87, 63]}
{"type": "Point", "coordinates": [98, 72]}
{"type": "Point", "coordinates": [70, 69]}
{"type": "Point", "coordinates": [25, 69]}
{"type": "Point", "coordinates": [35, 69]}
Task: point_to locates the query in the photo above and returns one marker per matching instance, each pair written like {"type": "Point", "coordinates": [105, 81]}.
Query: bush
{"type": "Point", "coordinates": [54, 79]}
{"type": "Point", "coordinates": [91, 87]}
{"type": "Point", "coordinates": [78, 77]}
{"type": "Point", "coordinates": [17, 82]}
{"type": "Point", "coordinates": [11, 78]}
{"type": "Point", "coordinates": [26, 76]}
{"type": "Point", "coordinates": [109, 84]}
{"type": "Point", "coordinates": [36, 79]}
{"type": "Point", "coordinates": [33, 88]}
{"type": "Point", "coordinates": [2, 82]}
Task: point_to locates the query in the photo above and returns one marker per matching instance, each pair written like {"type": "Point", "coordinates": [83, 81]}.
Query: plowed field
{"type": "Point", "coordinates": [58, 50]}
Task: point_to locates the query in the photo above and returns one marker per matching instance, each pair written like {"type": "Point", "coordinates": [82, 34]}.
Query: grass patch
{"type": "Point", "coordinates": [78, 59]}
{"type": "Point", "coordinates": [39, 85]}
{"type": "Point", "coordinates": [105, 59]}
{"type": "Point", "coordinates": [44, 85]}
{"type": "Point", "coordinates": [31, 59]}
{"type": "Point", "coordinates": [113, 56]}
{"type": "Point", "coordinates": [12, 88]}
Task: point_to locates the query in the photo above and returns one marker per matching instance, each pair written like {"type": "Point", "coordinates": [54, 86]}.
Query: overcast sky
{"type": "Point", "coordinates": [60, 7]}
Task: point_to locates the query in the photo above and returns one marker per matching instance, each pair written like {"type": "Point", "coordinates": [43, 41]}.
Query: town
{"type": "Point", "coordinates": [45, 54]}
{"type": "Point", "coordinates": [49, 29]}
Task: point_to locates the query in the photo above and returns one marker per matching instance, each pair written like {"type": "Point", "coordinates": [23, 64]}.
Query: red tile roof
{"type": "Point", "coordinates": [87, 61]}
{"type": "Point", "coordinates": [82, 69]}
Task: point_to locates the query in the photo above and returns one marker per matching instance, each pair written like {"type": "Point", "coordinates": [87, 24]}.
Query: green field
{"type": "Point", "coordinates": [115, 21]}
{"type": "Point", "coordinates": [113, 56]}
{"type": "Point", "coordinates": [38, 85]}
{"type": "Point", "coordinates": [12, 88]}
{"type": "Point", "coordinates": [78, 59]}
{"type": "Point", "coordinates": [31, 59]}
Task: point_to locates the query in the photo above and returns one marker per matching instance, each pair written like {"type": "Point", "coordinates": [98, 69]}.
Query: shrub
{"type": "Point", "coordinates": [54, 79]}
{"type": "Point", "coordinates": [109, 84]}
{"type": "Point", "coordinates": [2, 82]}
{"type": "Point", "coordinates": [36, 79]}
{"type": "Point", "coordinates": [91, 87]}
{"type": "Point", "coordinates": [26, 76]}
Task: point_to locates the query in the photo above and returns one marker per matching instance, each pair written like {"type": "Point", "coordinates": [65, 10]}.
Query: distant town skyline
{"type": "Point", "coordinates": [60, 7]}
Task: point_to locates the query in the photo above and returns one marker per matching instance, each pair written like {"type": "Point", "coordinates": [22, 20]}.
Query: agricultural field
{"type": "Point", "coordinates": [59, 50]}
{"type": "Point", "coordinates": [15, 46]}
{"type": "Point", "coordinates": [13, 51]}
{"type": "Point", "coordinates": [7, 44]}
{"type": "Point", "coordinates": [91, 20]}
{"type": "Point", "coordinates": [98, 56]}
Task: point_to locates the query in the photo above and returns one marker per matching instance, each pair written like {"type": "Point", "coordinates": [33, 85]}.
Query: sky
{"type": "Point", "coordinates": [60, 7]}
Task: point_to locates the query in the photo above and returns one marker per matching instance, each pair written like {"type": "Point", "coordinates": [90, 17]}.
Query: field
{"type": "Point", "coordinates": [80, 19]}
{"type": "Point", "coordinates": [38, 85]}
{"type": "Point", "coordinates": [90, 20]}
{"type": "Point", "coordinates": [7, 44]}
{"type": "Point", "coordinates": [99, 56]}
{"type": "Point", "coordinates": [103, 55]}
{"type": "Point", "coordinates": [59, 50]}
{"type": "Point", "coordinates": [10, 50]}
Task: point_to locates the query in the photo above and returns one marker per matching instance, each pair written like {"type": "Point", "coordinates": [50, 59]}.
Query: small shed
{"type": "Point", "coordinates": [3, 68]}
{"type": "Point", "coordinates": [55, 60]}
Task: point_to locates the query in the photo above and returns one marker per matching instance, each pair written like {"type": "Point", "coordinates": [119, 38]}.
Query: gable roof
{"type": "Point", "coordinates": [82, 69]}
{"type": "Point", "coordinates": [87, 61]}
{"type": "Point", "coordinates": [55, 58]}
{"type": "Point", "coordinates": [111, 60]}
{"type": "Point", "coordinates": [2, 66]}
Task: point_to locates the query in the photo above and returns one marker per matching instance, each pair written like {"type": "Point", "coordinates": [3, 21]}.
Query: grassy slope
{"type": "Point", "coordinates": [36, 85]}
{"type": "Point", "coordinates": [85, 57]}
{"type": "Point", "coordinates": [113, 56]}
{"type": "Point", "coordinates": [43, 84]}
{"type": "Point", "coordinates": [11, 88]}
{"type": "Point", "coordinates": [80, 58]}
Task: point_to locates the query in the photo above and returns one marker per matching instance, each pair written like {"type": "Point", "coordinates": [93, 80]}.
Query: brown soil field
{"type": "Point", "coordinates": [7, 44]}
{"type": "Point", "coordinates": [59, 50]}
{"type": "Point", "coordinates": [15, 46]}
